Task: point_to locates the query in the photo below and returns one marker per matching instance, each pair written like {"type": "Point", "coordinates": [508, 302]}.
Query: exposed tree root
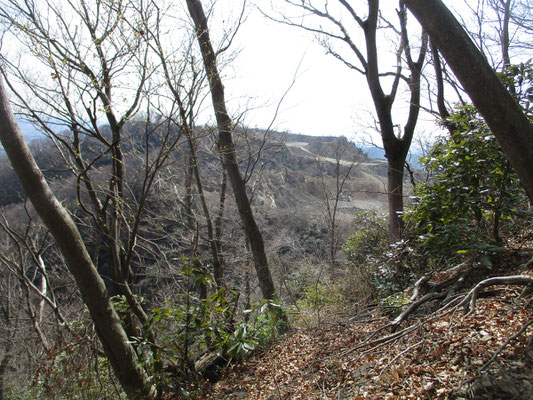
{"type": "Point", "coordinates": [414, 305]}
{"type": "Point", "coordinates": [447, 284]}
{"type": "Point", "coordinates": [452, 302]}
{"type": "Point", "coordinates": [424, 354]}
{"type": "Point", "coordinates": [469, 302]}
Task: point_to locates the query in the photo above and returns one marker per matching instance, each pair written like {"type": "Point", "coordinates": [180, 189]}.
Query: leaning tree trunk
{"type": "Point", "coordinates": [115, 342]}
{"type": "Point", "coordinates": [227, 149]}
{"type": "Point", "coordinates": [502, 113]}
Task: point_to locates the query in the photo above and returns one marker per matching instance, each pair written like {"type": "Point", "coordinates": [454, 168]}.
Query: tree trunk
{"type": "Point", "coordinates": [6, 358]}
{"type": "Point", "coordinates": [218, 271]}
{"type": "Point", "coordinates": [396, 153]}
{"type": "Point", "coordinates": [220, 214]}
{"type": "Point", "coordinates": [396, 147]}
{"type": "Point", "coordinates": [502, 113]}
{"type": "Point", "coordinates": [504, 36]}
{"type": "Point", "coordinates": [227, 149]}
{"type": "Point", "coordinates": [395, 163]}
{"type": "Point", "coordinates": [119, 351]}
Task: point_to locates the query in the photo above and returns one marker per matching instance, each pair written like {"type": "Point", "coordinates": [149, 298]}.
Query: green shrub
{"type": "Point", "coordinates": [189, 327]}
{"type": "Point", "coordinates": [319, 295]}
{"type": "Point", "coordinates": [370, 264]}
{"type": "Point", "coordinates": [474, 198]}
{"type": "Point", "coordinates": [370, 240]}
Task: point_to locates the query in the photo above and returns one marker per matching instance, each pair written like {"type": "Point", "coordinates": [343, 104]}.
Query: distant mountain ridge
{"type": "Point", "coordinates": [298, 171]}
{"type": "Point", "coordinates": [305, 171]}
{"type": "Point", "coordinates": [28, 131]}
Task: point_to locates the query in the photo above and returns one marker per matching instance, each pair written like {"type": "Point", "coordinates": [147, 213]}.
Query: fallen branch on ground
{"type": "Point", "coordinates": [504, 345]}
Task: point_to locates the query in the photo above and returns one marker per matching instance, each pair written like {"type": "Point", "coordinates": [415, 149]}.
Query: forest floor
{"type": "Point", "coordinates": [443, 355]}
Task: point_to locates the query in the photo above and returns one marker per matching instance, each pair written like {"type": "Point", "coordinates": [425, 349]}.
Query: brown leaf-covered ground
{"type": "Point", "coordinates": [439, 359]}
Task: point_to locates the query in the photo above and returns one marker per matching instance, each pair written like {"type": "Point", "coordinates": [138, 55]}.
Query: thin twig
{"type": "Point", "coordinates": [504, 345]}
{"type": "Point", "coordinates": [398, 356]}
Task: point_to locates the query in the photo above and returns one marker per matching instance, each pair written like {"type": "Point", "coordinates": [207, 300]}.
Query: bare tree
{"type": "Point", "coordinates": [185, 81]}
{"type": "Point", "coordinates": [340, 155]}
{"type": "Point", "coordinates": [227, 149]}
{"type": "Point", "coordinates": [31, 312]}
{"type": "Point", "coordinates": [10, 318]}
{"type": "Point", "coordinates": [339, 25]}
{"type": "Point", "coordinates": [90, 62]}
{"type": "Point", "coordinates": [103, 75]}
{"type": "Point", "coordinates": [26, 262]}
{"type": "Point", "coordinates": [116, 344]}
{"type": "Point", "coordinates": [501, 29]}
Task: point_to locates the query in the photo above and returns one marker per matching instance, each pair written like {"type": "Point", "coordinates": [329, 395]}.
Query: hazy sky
{"type": "Point", "coordinates": [319, 95]}
{"type": "Point", "coordinates": [322, 95]}
{"type": "Point", "coordinates": [326, 98]}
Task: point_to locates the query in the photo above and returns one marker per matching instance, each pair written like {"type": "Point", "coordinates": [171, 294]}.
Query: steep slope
{"type": "Point", "coordinates": [447, 355]}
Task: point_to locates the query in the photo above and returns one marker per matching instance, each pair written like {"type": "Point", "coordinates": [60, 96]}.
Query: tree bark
{"type": "Point", "coordinates": [119, 351]}
{"type": "Point", "coordinates": [227, 149]}
{"type": "Point", "coordinates": [4, 363]}
{"type": "Point", "coordinates": [502, 113]}
{"type": "Point", "coordinates": [395, 162]}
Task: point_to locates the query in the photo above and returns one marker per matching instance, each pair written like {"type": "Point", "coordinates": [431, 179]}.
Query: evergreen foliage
{"type": "Point", "coordinates": [473, 200]}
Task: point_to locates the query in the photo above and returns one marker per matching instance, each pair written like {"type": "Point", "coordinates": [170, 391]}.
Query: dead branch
{"type": "Point", "coordinates": [432, 285]}
{"type": "Point", "coordinates": [396, 335]}
{"type": "Point", "coordinates": [504, 345]}
{"type": "Point", "coordinates": [435, 281]}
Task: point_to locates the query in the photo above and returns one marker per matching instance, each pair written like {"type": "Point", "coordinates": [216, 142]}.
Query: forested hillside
{"type": "Point", "coordinates": [290, 183]}
{"type": "Point", "coordinates": [148, 254]}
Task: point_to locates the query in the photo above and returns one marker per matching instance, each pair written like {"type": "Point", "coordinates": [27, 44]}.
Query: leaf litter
{"type": "Point", "coordinates": [442, 357]}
